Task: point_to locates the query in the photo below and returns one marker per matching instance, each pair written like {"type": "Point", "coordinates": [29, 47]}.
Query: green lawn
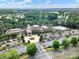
{"type": "Point", "coordinates": [25, 56]}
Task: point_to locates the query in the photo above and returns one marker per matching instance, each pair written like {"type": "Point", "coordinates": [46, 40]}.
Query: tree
{"type": "Point", "coordinates": [53, 31]}
{"type": "Point", "coordinates": [72, 21]}
{"type": "Point", "coordinates": [31, 49]}
{"type": "Point", "coordinates": [65, 43]}
{"type": "Point", "coordinates": [74, 40]}
{"type": "Point", "coordinates": [28, 41]}
{"type": "Point", "coordinates": [56, 44]}
{"type": "Point", "coordinates": [52, 17]}
{"type": "Point", "coordinates": [41, 38]}
{"type": "Point", "coordinates": [78, 39]}
{"type": "Point", "coordinates": [12, 54]}
{"type": "Point", "coordinates": [22, 37]}
{"type": "Point", "coordinates": [77, 57]}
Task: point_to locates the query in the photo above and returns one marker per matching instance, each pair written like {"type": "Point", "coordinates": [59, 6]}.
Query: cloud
{"type": "Point", "coordinates": [48, 2]}
{"type": "Point", "coordinates": [29, 4]}
{"type": "Point", "coordinates": [14, 4]}
{"type": "Point", "coordinates": [25, 1]}
{"type": "Point", "coordinates": [42, 6]}
{"type": "Point", "coordinates": [14, 1]}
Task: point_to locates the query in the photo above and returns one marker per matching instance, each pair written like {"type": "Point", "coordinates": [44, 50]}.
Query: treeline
{"type": "Point", "coordinates": [30, 18]}
{"type": "Point", "coordinates": [72, 21]}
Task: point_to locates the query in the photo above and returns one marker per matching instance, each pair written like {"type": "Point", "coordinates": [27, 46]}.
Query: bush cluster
{"type": "Point", "coordinates": [65, 42]}
{"type": "Point", "coordinates": [12, 54]}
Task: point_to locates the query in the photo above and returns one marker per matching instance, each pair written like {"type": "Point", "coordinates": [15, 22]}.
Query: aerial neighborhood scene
{"type": "Point", "coordinates": [39, 29]}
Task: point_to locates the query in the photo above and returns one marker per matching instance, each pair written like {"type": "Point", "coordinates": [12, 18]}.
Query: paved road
{"type": "Point", "coordinates": [41, 56]}
{"type": "Point", "coordinates": [39, 47]}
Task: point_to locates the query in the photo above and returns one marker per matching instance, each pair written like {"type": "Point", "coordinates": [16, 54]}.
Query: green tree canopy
{"type": "Point", "coordinates": [41, 38]}
{"type": "Point", "coordinates": [31, 49]}
{"type": "Point", "coordinates": [74, 40]}
{"type": "Point", "coordinates": [65, 43]}
{"type": "Point", "coordinates": [12, 54]}
{"type": "Point", "coordinates": [56, 44]}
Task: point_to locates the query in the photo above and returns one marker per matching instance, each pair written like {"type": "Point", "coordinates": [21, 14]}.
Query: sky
{"type": "Point", "coordinates": [39, 3]}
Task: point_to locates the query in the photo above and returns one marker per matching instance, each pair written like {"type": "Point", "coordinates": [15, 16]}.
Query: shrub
{"type": "Point", "coordinates": [74, 40]}
{"type": "Point", "coordinates": [77, 57]}
{"type": "Point", "coordinates": [67, 36]}
{"type": "Point", "coordinates": [22, 37]}
{"type": "Point", "coordinates": [59, 32]}
{"type": "Point", "coordinates": [56, 44]}
{"type": "Point", "coordinates": [12, 54]}
{"type": "Point", "coordinates": [65, 43]}
{"type": "Point", "coordinates": [28, 41]}
{"type": "Point", "coordinates": [78, 39]}
{"type": "Point", "coordinates": [8, 45]}
{"type": "Point", "coordinates": [41, 38]}
{"type": "Point", "coordinates": [31, 49]}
